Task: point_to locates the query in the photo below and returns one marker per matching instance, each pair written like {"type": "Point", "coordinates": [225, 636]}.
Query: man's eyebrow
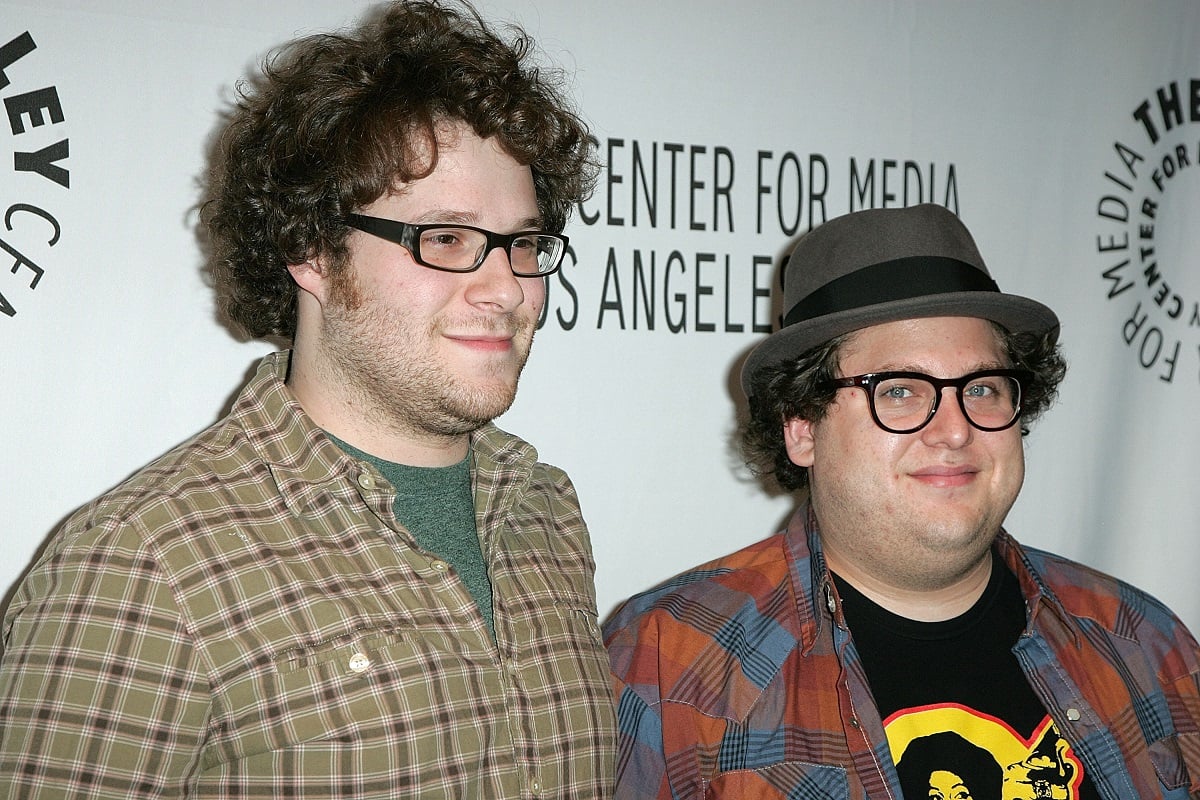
{"type": "Point", "coordinates": [979, 366]}
{"type": "Point", "coordinates": [435, 215]}
{"type": "Point", "coordinates": [454, 217]}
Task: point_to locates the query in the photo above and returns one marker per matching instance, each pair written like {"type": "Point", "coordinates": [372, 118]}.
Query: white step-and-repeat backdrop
{"type": "Point", "coordinates": [1066, 134]}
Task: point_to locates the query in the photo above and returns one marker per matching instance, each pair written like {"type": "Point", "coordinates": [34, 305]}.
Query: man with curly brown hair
{"type": "Point", "coordinates": [894, 641]}
{"type": "Point", "coordinates": [354, 585]}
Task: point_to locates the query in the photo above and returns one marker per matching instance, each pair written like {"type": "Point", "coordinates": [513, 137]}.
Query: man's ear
{"type": "Point", "coordinates": [312, 276]}
{"type": "Point", "coordinates": [798, 441]}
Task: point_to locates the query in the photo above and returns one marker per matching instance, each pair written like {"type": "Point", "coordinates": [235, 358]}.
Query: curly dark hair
{"type": "Point", "coordinates": [335, 121]}
{"type": "Point", "coordinates": [949, 752]}
{"type": "Point", "coordinates": [794, 388]}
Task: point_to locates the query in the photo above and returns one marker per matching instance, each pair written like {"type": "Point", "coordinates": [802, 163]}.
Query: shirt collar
{"type": "Point", "coordinates": [1040, 597]}
{"type": "Point", "coordinates": [815, 595]}
{"type": "Point", "coordinates": [302, 459]}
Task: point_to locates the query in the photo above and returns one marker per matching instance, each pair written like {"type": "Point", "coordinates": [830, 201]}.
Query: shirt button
{"type": "Point", "coordinates": [366, 480]}
{"type": "Point", "coordinates": [535, 785]}
{"type": "Point", "coordinates": [440, 566]}
{"type": "Point", "coordinates": [359, 662]}
{"type": "Point", "coordinates": [1073, 714]}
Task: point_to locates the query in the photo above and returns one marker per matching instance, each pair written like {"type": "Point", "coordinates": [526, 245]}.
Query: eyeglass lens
{"type": "Point", "coordinates": [464, 248]}
{"type": "Point", "coordinates": [903, 404]}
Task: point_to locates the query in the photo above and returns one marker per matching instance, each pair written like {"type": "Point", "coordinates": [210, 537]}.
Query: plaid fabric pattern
{"type": "Point", "coordinates": [246, 619]}
{"type": "Point", "coordinates": [740, 679]}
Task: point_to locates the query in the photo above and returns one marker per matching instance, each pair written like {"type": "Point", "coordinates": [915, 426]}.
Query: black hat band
{"type": "Point", "coordinates": [899, 279]}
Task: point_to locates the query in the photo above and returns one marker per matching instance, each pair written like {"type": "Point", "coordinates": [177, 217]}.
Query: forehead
{"type": "Point", "coordinates": [942, 346]}
{"type": "Point", "coordinates": [471, 178]}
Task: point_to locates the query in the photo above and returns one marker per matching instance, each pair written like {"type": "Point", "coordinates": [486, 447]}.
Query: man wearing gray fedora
{"type": "Point", "coordinates": [894, 640]}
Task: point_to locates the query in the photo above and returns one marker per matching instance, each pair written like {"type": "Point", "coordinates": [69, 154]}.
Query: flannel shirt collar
{"type": "Point", "coordinates": [501, 468]}
{"type": "Point", "coordinates": [303, 461]}
{"type": "Point", "coordinates": [813, 588]}
{"type": "Point", "coordinates": [1040, 597]}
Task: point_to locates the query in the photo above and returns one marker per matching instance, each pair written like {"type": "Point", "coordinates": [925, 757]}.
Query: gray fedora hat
{"type": "Point", "coordinates": [883, 265]}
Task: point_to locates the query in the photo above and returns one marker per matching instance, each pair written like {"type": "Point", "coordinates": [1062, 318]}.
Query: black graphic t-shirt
{"type": "Point", "coordinates": [961, 719]}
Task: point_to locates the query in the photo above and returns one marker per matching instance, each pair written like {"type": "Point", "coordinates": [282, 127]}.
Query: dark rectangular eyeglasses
{"type": "Point", "coordinates": [905, 402]}
{"type": "Point", "coordinates": [463, 248]}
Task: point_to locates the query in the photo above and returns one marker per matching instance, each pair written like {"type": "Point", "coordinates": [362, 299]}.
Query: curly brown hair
{"type": "Point", "coordinates": [335, 121]}
{"type": "Point", "coordinates": [798, 388]}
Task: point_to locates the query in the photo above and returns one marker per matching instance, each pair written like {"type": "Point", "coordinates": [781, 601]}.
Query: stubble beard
{"type": "Point", "coordinates": [390, 368]}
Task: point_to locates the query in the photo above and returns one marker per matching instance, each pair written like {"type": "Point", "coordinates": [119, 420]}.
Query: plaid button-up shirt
{"type": "Point", "coordinates": [740, 679]}
{"type": "Point", "coordinates": [245, 618]}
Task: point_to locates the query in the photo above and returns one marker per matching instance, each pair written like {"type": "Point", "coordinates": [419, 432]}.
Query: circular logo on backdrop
{"type": "Point", "coordinates": [35, 172]}
{"type": "Point", "coordinates": [1147, 242]}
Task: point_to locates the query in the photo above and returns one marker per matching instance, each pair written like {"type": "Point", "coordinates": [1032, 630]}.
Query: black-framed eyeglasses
{"type": "Point", "coordinates": [463, 248]}
{"type": "Point", "coordinates": [905, 402]}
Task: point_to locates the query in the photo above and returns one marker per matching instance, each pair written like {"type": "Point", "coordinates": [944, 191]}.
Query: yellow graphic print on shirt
{"type": "Point", "coordinates": [951, 752]}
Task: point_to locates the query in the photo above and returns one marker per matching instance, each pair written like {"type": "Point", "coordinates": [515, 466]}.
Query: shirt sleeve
{"type": "Point", "coordinates": [102, 694]}
{"type": "Point", "coordinates": [641, 754]}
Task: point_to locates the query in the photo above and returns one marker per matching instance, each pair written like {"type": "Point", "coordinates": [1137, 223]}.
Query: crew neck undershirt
{"type": "Point", "coordinates": [437, 507]}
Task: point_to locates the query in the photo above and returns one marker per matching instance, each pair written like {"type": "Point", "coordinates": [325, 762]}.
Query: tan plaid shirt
{"type": "Point", "coordinates": [246, 619]}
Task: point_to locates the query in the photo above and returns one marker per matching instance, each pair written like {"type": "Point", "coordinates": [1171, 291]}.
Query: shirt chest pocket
{"type": "Point", "coordinates": [385, 690]}
{"type": "Point", "coordinates": [328, 688]}
{"type": "Point", "coordinates": [1171, 756]}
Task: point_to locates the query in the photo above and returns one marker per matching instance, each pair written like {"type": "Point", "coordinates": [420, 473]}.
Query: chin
{"type": "Point", "coordinates": [485, 404]}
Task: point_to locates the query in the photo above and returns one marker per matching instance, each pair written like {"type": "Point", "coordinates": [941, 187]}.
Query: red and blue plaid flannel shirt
{"type": "Point", "coordinates": [740, 679]}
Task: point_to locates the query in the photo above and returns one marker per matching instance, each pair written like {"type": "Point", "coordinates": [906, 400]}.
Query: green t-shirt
{"type": "Point", "coordinates": [437, 507]}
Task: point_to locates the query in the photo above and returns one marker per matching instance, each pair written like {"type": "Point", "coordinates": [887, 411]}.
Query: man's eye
{"type": "Point", "coordinates": [442, 239]}
{"type": "Point", "coordinates": [989, 388]}
{"type": "Point", "coordinates": [895, 392]}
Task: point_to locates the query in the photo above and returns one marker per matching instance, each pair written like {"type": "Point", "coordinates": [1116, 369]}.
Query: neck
{"type": "Point", "coordinates": [355, 420]}
{"type": "Point", "coordinates": [923, 604]}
